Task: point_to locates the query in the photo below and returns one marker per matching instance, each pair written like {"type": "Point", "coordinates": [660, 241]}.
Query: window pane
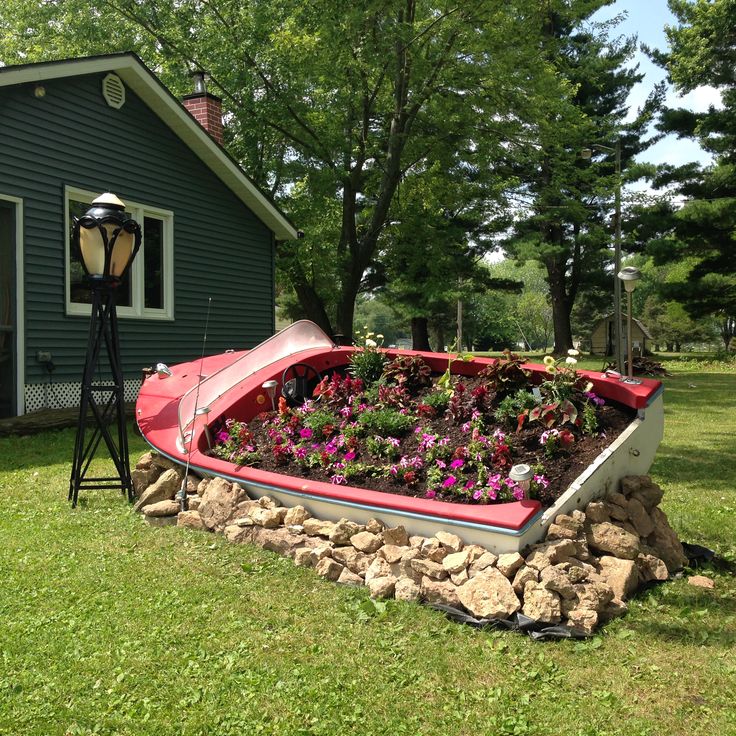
{"type": "Point", "coordinates": [79, 292]}
{"type": "Point", "coordinates": [153, 251]}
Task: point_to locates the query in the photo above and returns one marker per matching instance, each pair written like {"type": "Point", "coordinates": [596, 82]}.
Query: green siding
{"type": "Point", "coordinates": [71, 137]}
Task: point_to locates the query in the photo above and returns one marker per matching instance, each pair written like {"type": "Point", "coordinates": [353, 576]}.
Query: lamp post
{"type": "Point", "coordinates": [587, 153]}
{"type": "Point", "coordinates": [629, 276]}
{"type": "Point", "coordinates": [106, 241]}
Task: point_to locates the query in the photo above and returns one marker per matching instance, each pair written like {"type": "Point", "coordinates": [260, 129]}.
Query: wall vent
{"type": "Point", "coordinates": [113, 90]}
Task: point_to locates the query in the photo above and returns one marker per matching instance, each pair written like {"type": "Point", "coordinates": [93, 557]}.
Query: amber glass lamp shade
{"type": "Point", "coordinates": [106, 239]}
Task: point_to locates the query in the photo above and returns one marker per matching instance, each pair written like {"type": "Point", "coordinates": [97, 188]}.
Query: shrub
{"type": "Point", "coordinates": [505, 376]}
{"type": "Point", "coordinates": [409, 372]}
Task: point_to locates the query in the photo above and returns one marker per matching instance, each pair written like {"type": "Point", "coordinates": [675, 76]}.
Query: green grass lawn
{"type": "Point", "coordinates": [108, 626]}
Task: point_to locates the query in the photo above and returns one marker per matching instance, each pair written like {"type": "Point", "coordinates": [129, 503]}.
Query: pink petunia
{"type": "Point", "coordinates": [223, 436]}
{"type": "Point", "coordinates": [306, 433]}
{"type": "Point", "coordinates": [449, 481]}
{"type": "Point", "coordinates": [430, 493]}
{"type": "Point", "coordinates": [350, 455]}
{"type": "Point", "coordinates": [339, 480]}
{"type": "Point", "coordinates": [455, 464]}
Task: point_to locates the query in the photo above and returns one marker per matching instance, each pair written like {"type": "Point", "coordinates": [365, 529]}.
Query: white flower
{"type": "Point", "coordinates": [371, 344]}
{"type": "Point", "coordinates": [573, 352]}
{"type": "Point", "coordinates": [379, 336]}
{"type": "Point", "coordinates": [549, 360]}
{"type": "Point", "coordinates": [570, 361]}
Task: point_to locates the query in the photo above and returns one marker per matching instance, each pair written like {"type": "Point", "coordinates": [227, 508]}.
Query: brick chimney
{"type": "Point", "coordinates": [204, 107]}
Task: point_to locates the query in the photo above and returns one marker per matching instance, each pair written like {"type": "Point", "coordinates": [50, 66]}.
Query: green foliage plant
{"type": "Point", "coordinates": [385, 422]}
{"type": "Point", "coordinates": [510, 407]}
{"type": "Point", "coordinates": [505, 375]}
{"type": "Point", "coordinates": [367, 361]}
{"type": "Point", "coordinates": [410, 372]}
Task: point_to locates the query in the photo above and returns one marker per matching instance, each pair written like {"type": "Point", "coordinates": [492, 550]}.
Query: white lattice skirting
{"type": "Point", "coordinates": [63, 395]}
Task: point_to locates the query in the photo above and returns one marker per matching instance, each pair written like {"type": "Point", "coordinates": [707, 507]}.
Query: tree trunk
{"type": "Point", "coordinates": [419, 334]}
{"type": "Point", "coordinates": [560, 317]}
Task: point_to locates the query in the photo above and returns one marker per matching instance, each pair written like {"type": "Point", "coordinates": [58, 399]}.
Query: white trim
{"type": "Point", "coordinates": [143, 82]}
{"type": "Point", "coordinates": [20, 319]}
{"type": "Point", "coordinates": [137, 310]}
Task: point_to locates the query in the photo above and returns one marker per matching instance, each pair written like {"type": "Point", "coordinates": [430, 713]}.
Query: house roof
{"type": "Point", "coordinates": [637, 322]}
{"type": "Point", "coordinates": [139, 78]}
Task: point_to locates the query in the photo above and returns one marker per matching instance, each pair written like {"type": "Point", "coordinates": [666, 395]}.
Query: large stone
{"type": "Point", "coordinates": [615, 512]}
{"type": "Point", "coordinates": [489, 595]}
{"type": "Point", "coordinates": [144, 477]}
{"type": "Point", "coordinates": [523, 575]}
{"type": "Point", "coordinates": [486, 560]}
{"type": "Point", "coordinates": [342, 531]}
{"type": "Point", "coordinates": [651, 568]}
{"type": "Point", "coordinates": [391, 553]}
{"type": "Point", "coordinates": [163, 489]}
{"type": "Point", "coordinates": [219, 502]}
{"type": "Point", "coordinates": [193, 502]}
{"type": "Point", "coordinates": [433, 550]}
{"type": "Point", "coordinates": [460, 578]}
{"type": "Point", "coordinates": [145, 461]}
{"type": "Point", "coordinates": [378, 568]}
{"type": "Point", "coordinates": [405, 568]}
{"type": "Point", "coordinates": [318, 527]}
{"type": "Point", "coordinates": [407, 590]}
{"type": "Point", "coordinates": [163, 462]}
{"type": "Point", "coordinates": [268, 502]}
{"type": "Point", "coordinates": [648, 493]}
{"type": "Point", "coordinates": [509, 563]}
{"type": "Point", "coordinates": [451, 541]}
{"type": "Point", "coordinates": [366, 542]}
{"type": "Point", "coordinates": [320, 552]}
{"type": "Point", "coordinates": [429, 568]}
{"type": "Point", "coordinates": [280, 540]}
{"type": "Point", "coordinates": [397, 535]}
{"type": "Point", "coordinates": [665, 542]}
{"type": "Point", "coordinates": [190, 520]}
{"type": "Point", "coordinates": [438, 591]}
{"type": "Point", "coordinates": [597, 512]}
{"type": "Point", "coordinates": [382, 587]}
{"type": "Point", "coordinates": [162, 508]}
{"type": "Point", "coordinates": [701, 581]}
{"type": "Point", "coordinates": [593, 596]}
{"type": "Point", "coordinates": [555, 578]}
{"type": "Point", "coordinates": [621, 575]}
{"type": "Point", "coordinates": [303, 557]}
{"type": "Point", "coordinates": [349, 578]}
{"type": "Point", "coordinates": [456, 561]}
{"type": "Point", "coordinates": [551, 553]}
{"type": "Point", "coordinates": [607, 537]}
{"type": "Point", "coordinates": [296, 515]}
{"type": "Point", "coordinates": [618, 499]}
{"type": "Point", "coordinates": [329, 569]}
{"type": "Point", "coordinates": [613, 609]}
{"type": "Point", "coordinates": [583, 619]}
{"type": "Point", "coordinates": [541, 603]}
{"type": "Point", "coordinates": [267, 518]}
{"type": "Point", "coordinates": [374, 526]}
{"type": "Point", "coordinates": [555, 531]}
{"type": "Point", "coordinates": [640, 518]}
{"type": "Point", "coordinates": [355, 561]}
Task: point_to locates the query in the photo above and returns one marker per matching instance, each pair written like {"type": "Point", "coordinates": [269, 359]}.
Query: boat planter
{"type": "Point", "coordinates": [174, 414]}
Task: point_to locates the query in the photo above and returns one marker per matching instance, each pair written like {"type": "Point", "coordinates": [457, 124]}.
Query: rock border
{"type": "Point", "coordinates": [580, 576]}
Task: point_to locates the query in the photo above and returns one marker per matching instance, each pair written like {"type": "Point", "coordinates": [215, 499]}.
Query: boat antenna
{"type": "Point", "coordinates": [181, 496]}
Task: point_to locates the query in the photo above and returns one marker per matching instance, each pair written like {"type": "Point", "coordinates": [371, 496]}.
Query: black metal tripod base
{"type": "Point", "coordinates": [102, 405]}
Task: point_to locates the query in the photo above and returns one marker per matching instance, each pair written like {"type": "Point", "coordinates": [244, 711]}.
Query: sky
{"type": "Point", "coordinates": [646, 19]}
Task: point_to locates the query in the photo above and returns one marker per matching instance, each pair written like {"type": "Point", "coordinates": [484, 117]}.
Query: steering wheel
{"type": "Point", "coordinates": [298, 382]}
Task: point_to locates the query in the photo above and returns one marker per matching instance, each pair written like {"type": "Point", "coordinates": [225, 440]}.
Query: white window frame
{"type": "Point", "coordinates": [137, 310]}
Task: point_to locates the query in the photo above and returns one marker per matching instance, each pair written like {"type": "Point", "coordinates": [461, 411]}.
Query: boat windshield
{"type": "Point", "coordinates": [204, 397]}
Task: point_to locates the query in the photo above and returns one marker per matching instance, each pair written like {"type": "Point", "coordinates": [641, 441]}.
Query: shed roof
{"type": "Point", "coordinates": [637, 322]}
{"type": "Point", "coordinates": [139, 78]}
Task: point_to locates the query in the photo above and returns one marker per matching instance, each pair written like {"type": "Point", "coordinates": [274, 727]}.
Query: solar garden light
{"type": "Point", "coordinates": [522, 474]}
{"type": "Point", "coordinates": [105, 240]}
{"type": "Point", "coordinates": [270, 388]}
{"type": "Point", "coordinates": [629, 276]}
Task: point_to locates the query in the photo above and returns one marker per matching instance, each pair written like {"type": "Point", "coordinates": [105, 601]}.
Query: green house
{"type": "Point", "coordinates": [70, 130]}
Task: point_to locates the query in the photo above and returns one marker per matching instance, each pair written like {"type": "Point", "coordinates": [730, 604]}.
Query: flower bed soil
{"type": "Point", "coordinates": [560, 468]}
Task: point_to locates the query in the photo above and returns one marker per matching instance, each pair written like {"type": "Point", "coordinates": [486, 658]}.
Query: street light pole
{"type": "Point", "coordinates": [618, 347]}
{"type": "Point", "coordinates": [618, 342]}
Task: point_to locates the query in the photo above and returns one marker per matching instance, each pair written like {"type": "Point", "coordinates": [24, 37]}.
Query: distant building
{"type": "Point", "coordinates": [601, 338]}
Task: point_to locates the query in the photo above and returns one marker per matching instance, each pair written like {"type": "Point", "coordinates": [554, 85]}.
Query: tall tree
{"type": "Point", "coordinates": [330, 105]}
{"type": "Point", "coordinates": [702, 51]}
{"type": "Point", "coordinates": [563, 199]}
